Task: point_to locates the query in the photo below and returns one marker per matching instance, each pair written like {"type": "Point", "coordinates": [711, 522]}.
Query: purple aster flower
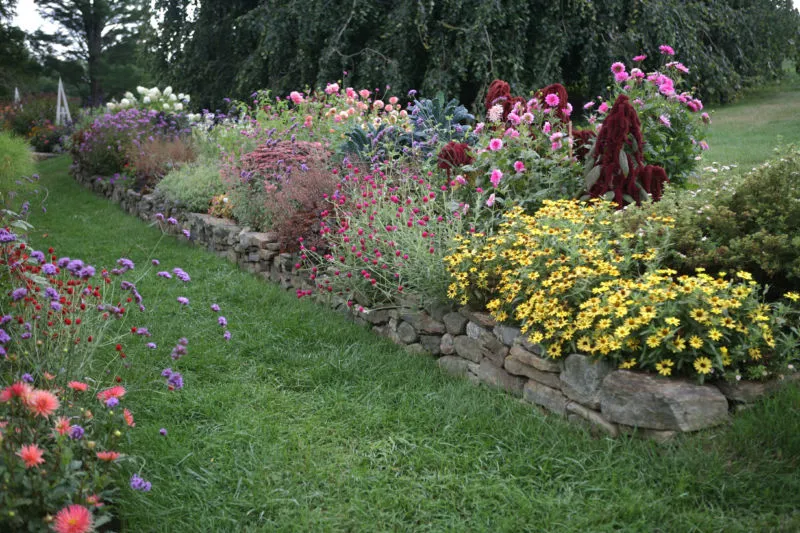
{"type": "Point", "coordinates": [112, 402]}
{"type": "Point", "coordinates": [39, 256]}
{"type": "Point", "coordinates": [138, 483]}
{"type": "Point", "coordinates": [55, 306]}
{"type": "Point", "coordinates": [51, 293]}
{"type": "Point", "coordinates": [178, 351]}
{"type": "Point", "coordinates": [165, 274]}
{"type": "Point", "coordinates": [166, 373]}
{"type": "Point", "coordinates": [144, 332]}
{"type": "Point", "coordinates": [183, 341]}
{"type": "Point", "coordinates": [49, 269]}
{"type": "Point", "coordinates": [163, 432]}
{"type": "Point", "coordinates": [186, 234]}
{"type": "Point", "coordinates": [19, 294]}
{"type": "Point", "coordinates": [63, 262]}
{"type": "Point", "coordinates": [215, 307]}
{"type": "Point", "coordinates": [172, 221]}
{"type": "Point", "coordinates": [222, 321]}
{"type": "Point", "coordinates": [86, 272]}
{"type": "Point", "coordinates": [27, 378]}
{"type": "Point", "coordinates": [160, 217]}
{"type": "Point", "coordinates": [25, 335]}
{"type": "Point", "coordinates": [4, 337]}
{"type": "Point", "coordinates": [5, 320]}
{"type": "Point", "coordinates": [227, 335]}
{"type": "Point", "coordinates": [156, 262]}
{"type": "Point", "coordinates": [151, 345]}
{"type": "Point", "coordinates": [183, 300]}
{"type": "Point", "coordinates": [76, 432]}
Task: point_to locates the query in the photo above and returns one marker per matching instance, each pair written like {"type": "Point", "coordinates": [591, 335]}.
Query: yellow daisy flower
{"type": "Point", "coordinates": [664, 367]}
{"type": "Point", "coordinates": [695, 342]}
{"type": "Point", "coordinates": [703, 365]}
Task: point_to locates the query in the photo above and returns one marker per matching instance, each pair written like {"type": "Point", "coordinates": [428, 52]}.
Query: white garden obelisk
{"type": "Point", "coordinates": [62, 107]}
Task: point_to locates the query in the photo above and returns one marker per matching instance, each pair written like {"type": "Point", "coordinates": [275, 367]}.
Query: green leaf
{"type": "Point", "coordinates": [609, 195]}
{"type": "Point", "coordinates": [592, 176]}
{"type": "Point", "coordinates": [623, 163]}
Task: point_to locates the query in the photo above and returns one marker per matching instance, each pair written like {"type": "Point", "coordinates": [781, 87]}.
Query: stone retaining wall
{"type": "Point", "coordinates": [472, 345]}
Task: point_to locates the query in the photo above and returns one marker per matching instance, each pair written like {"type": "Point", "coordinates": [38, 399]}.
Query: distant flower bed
{"type": "Point", "coordinates": [392, 199]}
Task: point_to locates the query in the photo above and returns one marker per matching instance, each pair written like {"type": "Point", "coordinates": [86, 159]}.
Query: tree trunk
{"type": "Point", "coordinates": [94, 45]}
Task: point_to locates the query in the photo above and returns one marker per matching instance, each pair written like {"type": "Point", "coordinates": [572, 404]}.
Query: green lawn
{"type": "Point", "coordinates": [745, 132]}
{"type": "Point", "coordinates": [304, 422]}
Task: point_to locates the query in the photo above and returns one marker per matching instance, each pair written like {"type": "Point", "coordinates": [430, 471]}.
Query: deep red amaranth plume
{"type": "Point", "coordinates": [499, 91]}
{"type": "Point", "coordinates": [563, 99]}
{"type": "Point", "coordinates": [454, 155]}
{"type": "Point", "coordinates": [622, 129]}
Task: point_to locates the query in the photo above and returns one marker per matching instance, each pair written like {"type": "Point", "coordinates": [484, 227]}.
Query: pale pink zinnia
{"type": "Point", "coordinates": [617, 67]}
{"type": "Point", "coordinates": [73, 519]}
{"type": "Point", "coordinates": [552, 100]}
{"type": "Point", "coordinates": [497, 175]}
{"type": "Point", "coordinates": [42, 403]}
{"type": "Point", "coordinates": [621, 77]}
{"type": "Point", "coordinates": [495, 145]}
{"type": "Point", "coordinates": [664, 119]}
{"type": "Point", "coordinates": [490, 200]}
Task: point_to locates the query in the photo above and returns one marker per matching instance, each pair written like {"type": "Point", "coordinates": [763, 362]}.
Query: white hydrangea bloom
{"type": "Point", "coordinates": [168, 91]}
{"type": "Point", "coordinates": [166, 107]}
{"type": "Point", "coordinates": [141, 90]}
{"type": "Point", "coordinates": [146, 99]}
{"type": "Point", "coordinates": [178, 107]}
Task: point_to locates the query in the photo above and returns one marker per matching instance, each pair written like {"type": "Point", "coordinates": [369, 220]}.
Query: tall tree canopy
{"type": "Point", "coordinates": [95, 30]}
{"type": "Point", "coordinates": [219, 48]}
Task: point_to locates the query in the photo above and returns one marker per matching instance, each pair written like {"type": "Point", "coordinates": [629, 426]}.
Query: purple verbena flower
{"type": "Point", "coordinates": [27, 378]}
{"type": "Point", "coordinates": [227, 335]}
{"type": "Point", "coordinates": [183, 300]}
{"type": "Point", "coordinates": [4, 337]}
{"type": "Point", "coordinates": [19, 294]}
{"type": "Point", "coordinates": [138, 483]}
{"type": "Point", "coordinates": [165, 274]}
{"type": "Point", "coordinates": [49, 269]}
{"type": "Point", "coordinates": [222, 321]}
{"type": "Point", "coordinates": [151, 345]}
{"type": "Point", "coordinates": [112, 402]}
{"type": "Point", "coordinates": [215, 307]}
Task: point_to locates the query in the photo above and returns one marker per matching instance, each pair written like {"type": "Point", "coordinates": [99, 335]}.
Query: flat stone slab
{"type": "Point", "coordinates": [581, 379]}
{"type": "Point", "coordinates": [549, 398]}
{"type": "Point", "coordinates": [651, 402]}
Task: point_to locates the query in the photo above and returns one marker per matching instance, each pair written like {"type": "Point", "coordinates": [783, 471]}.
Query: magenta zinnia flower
{"type": "Point", "coordinates": [617, 67]}
{"type": "Point", "coordinates": [666, 49]}
{"type": "Point", "coordinates": [552, 100]}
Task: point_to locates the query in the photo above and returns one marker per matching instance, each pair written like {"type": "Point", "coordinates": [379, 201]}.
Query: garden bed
{"type": "Point", "coordinates": [473, 345]}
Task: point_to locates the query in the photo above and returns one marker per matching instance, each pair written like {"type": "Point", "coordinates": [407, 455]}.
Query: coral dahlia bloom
{"type": "Point", "coordinates": [31, 455]}
{"type": "Point", "coordinates": [19, 389]}
{"type": "Point", "coordinates": [108, 456]}
{"type": "Point", "coordinates": [73, 519]}
{"type": "Point", "coordinates": [78, 386]}
{"type": "Point", "coordinates": [62, 425]}
{"type": "Point", "coordinates": [116, 391]}
{"type": "Point", "coordinates": [128, 417]}
{"type": "Point", "coordinates": [43, 403]}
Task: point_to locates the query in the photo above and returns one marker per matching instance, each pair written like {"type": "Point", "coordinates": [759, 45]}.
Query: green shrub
{"type": "Point", "coordinates": [192, 185]}
{"type": "Point", "coordinates": [16, 161]}
{"type": "Point", "coordinates": [734, 222]}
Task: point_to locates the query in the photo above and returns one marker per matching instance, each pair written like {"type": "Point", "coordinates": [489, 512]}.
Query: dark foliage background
{"type": "Point", "coordinates": [218, 48]}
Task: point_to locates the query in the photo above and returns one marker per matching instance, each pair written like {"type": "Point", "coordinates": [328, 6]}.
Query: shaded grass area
{"type": "Point", "coordinates": [746, 132]}
{"type": "Point", "coordinates": [304, 422]}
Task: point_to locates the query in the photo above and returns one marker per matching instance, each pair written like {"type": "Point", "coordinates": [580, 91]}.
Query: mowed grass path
{"type": "Point", "coordinates": [745, 132]}
{"type": "Point", "coordinates": [304, 422]}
